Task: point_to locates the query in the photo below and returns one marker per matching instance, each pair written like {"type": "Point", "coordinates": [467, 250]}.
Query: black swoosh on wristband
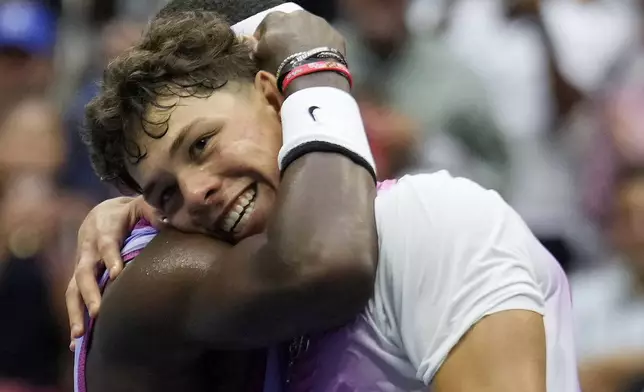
{"type": "Point", "coordinates": [312, 110]}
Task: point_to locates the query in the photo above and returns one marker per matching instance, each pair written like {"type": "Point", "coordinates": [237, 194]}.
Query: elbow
{"type": "Point", "coordinates": [354, 287]}
{"type": "Point", "coordinates": [341, 274]}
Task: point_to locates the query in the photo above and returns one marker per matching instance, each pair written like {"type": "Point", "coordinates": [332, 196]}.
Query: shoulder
{"type": "Point", "coordinates": [438, 229]}
{"type": "Point", "coordinates": [436, 221]}
{"type": "Point", "coordinates": [439, 199]}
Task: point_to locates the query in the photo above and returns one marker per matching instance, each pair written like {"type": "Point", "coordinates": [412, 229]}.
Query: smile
{"type": "Point", "coordinates": [239, 214]}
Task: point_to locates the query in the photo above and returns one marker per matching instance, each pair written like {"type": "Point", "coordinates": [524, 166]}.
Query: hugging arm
{"type": "Point", "coordinates": [313, 269]}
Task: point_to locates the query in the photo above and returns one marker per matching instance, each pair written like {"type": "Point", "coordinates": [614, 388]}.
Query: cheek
{"type": "Point", "coordinates": [251, 154]}
{"type": "Point", "coordinates": [260, 137]}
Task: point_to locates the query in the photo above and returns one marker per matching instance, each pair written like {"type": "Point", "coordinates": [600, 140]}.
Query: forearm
{"type": "Point", "coordinates": [322, 238]}
{"type": "Point", "coordinates": [325, 202]}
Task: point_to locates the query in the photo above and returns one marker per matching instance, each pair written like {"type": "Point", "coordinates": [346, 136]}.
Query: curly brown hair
{"type": "Point", "coordinates": [181, 54]}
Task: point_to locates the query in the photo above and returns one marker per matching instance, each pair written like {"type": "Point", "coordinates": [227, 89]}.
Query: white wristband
{"type": "Point", "coordinates": [323, 119]}
{"type": "Point", "coordinates": [249, 25]}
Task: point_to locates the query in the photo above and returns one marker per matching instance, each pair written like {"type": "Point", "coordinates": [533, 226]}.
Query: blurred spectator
{"type": "Point", "coordinates": [538, 58]}
{"type": "Point", "coordinates": [609, 301]}
{"type": "Point", "coordinates": [78, 175]}
{"type": "Point", "coordinates": [31, 151]}
{"type": "Point", "coordinates": [420, 78]}
{"type": "Point", "coordinates": [27, 40]}
{"type": "Point", "coordinates": [32, 339]}
{"type": "Point", "coordinates": [392, 135]}
{"type": "Point", "coordinates": [618, 136]}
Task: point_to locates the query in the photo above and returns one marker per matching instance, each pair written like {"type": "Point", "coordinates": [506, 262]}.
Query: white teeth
{"type": "Point", "coordinates": [249, 194]}
{"type": "Point", "coordinates": [244, 219]}
{"type": "Point", "coordinates": [242, 205]}
{"type": "Point", "coordinates": [228, 224]}
{"type": "Point", "coordinates": [233, 215]}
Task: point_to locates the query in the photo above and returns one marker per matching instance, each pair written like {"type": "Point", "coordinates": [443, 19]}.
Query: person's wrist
{"type": "Point", "coordinates": [319, 79]}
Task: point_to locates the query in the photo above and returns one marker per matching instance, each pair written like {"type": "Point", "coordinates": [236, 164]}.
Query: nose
{"type": "Point", "coordinates": [199, 190]}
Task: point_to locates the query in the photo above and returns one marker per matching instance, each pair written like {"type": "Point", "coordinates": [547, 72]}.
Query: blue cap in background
{"type": "Point", "coordinates": [28, 26]}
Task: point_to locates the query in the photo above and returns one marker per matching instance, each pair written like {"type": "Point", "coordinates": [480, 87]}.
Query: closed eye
{"type": "Point", "coordinates": [165, 198]}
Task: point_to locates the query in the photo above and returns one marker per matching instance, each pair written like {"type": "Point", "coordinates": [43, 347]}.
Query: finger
{"type": "Point", "coordinates": [75, 310]}
{"type": "Point", "coordinates": [140, 209]}
{"type": "Point", "coordinates": [86, 281]}
{"type": "Point", "coordinates": [151, 214]}
{"type": "Point", "coordinates": [109, 251]}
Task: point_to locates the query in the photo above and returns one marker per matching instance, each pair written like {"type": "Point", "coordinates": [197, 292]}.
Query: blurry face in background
{"type": "Point", "coordinates": [628, 224]}
{"type": "Point", "coordinates": [393, 137]}
{"type": "Point", "coordinates": [381, 22]}
{"type": "Point", "coordinates": [215, 170]}
{"type": "Point", "coordinates": [31, 151]}
{"type": "Point", "coordinates": [31, 139]}
{"type": "Point", "coordinates": [22, 73]}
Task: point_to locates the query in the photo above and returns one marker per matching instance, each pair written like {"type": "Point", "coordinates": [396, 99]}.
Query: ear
{"type": "Point", "coordinates": [266, 85]}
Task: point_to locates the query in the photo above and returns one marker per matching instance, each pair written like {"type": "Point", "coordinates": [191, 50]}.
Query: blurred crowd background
{"type": "Point", "coordinates": [540, 100]}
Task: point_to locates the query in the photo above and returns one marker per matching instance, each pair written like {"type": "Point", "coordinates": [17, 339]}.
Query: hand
{"type": "Point", "coordinates": [281, 35]}
{"type": "Point", "coordinates": [99, 240]}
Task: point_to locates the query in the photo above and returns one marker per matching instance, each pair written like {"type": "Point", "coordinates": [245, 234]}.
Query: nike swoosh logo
{"type": "Point", "coordinates": [312, 109]}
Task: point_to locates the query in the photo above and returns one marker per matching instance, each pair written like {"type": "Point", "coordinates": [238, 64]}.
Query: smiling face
{"type": "Point", "coordinates": [187, 118]}
{"type": "Point", "coordinates": [215, 170]}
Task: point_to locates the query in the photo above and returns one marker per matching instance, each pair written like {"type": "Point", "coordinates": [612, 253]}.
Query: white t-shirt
{"type": "Point", "coordinates": [451, 253]}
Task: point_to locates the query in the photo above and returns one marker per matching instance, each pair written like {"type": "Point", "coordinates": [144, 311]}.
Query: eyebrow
{"type": "Point", "coordinates": [183, 134]}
